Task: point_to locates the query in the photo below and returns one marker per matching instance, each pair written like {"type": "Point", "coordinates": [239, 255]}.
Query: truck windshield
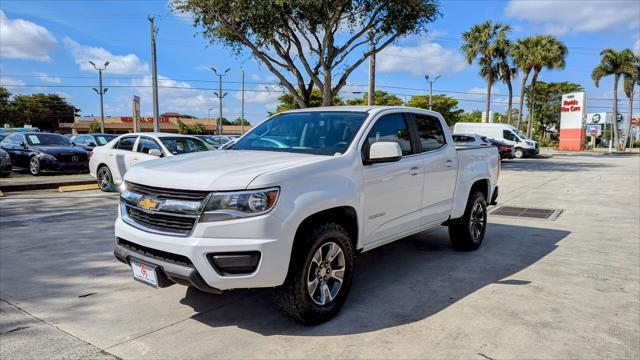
{"type": "Point", "coordinates": [312, 132]}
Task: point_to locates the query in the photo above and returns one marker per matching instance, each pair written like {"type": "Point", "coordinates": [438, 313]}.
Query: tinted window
{"type": "Point", "coordinates": [462, 138]}
{"type": "Point", "coordinates": [47, 140]}
{"type": "Point", "coordinates": [183, 145]}
{"type": "Point", "coordinates": [126, 143]}
{"type": "Point", "coordinates": [103, 139]}
{"type": "Point", "coordinates": [15, 139]}
{"type": "Point", "coordinates": [312, 132]}
{"type": "Point", "coordinates": [80, 140]}
{"type": "Point", "coordinates": [430, 132]}
{"type": "Point", "coordinates": [508, 135]}
{"type": "Point", "coordinates": [391, 128]}
{"type": "Point", "coordinates": [146, 144]}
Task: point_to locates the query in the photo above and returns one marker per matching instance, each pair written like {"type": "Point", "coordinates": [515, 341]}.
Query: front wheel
{"type": "Point", "coordinates": [319, 275]}
{"type": "Point", "coordinates": [34, 166]}
{"type": "Point", "coordinates": [467, 233]}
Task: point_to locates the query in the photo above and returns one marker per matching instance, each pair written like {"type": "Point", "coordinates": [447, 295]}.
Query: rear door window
{"type": "Point", "coordinates": [126, 143]}
{"type": "Point", "coordinates": [430, 132]}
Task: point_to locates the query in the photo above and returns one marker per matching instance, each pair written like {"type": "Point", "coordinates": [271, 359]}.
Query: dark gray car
{"type": "Point", "coordinates": [5, 164]}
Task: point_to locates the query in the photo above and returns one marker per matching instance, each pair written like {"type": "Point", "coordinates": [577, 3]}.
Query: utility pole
{"type": "Point", "coordinates": [242, 103]}
{"type": "Point", "coordinates": [100, 92]}
{"type": "Point", "coordinates": [371, 96]}
{"type": "Point", "coordinates": [220, 96]}
{"type": "Point", "coordinates": [431, 87]}
{"type": "Point", "coordinates": [154, 74]}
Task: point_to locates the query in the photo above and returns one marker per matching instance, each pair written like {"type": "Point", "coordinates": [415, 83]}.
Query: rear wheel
{"type": "Point", "coordinates": [319, 275]}
{"type": "Point", "coordinates": [519, 153]}
{"type": "Point", "coordinates": [105, 179]}
{"type": "Point", "coordinates": [467, 233]}
{"type": "Point", "coordinates": [34, 166]}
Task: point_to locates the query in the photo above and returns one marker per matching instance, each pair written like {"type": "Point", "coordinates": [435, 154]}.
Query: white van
{"type": "Point", "coordinates": [501, 132]}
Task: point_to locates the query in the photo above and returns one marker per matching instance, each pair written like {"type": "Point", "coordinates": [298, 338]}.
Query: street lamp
{"type": "Point", "coordinates": [431, 87]}
{"type": "Point", "coordinates": [220, 96]}
{"type": "Point", "coordinates": [101, 91]}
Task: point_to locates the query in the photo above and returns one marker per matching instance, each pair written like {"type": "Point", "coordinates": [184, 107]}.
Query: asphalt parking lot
{"type": "Point", "coordinates": [567, 288]}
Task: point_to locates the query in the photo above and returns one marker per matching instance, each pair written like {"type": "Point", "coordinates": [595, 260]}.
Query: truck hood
{"type": "Point", "coordinates": [214, 170]}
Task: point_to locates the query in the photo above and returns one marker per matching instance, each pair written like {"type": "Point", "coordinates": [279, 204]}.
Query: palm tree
{"type": "Point", "coordinates": [481, 42]}
{"type": "Point", "coordinates": [523, 55]}
{"type": "Point", "coordinates": [631, 79]}
{"type": "Point", "coordinates": [616, 63]}
{"type": "Point", "coordinates": [506, 69]}
{"type": "Point", "coordinates": [549, 53]}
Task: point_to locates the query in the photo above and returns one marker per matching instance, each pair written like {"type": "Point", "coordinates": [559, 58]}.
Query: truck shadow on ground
{"type": "Point", "coordinates": [397, 284]}
{"type": "Point", "coordinates": [546, 165]}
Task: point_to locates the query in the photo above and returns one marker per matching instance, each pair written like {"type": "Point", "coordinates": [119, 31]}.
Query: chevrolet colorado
{"type": "Point", "coordinates": [291, 203]}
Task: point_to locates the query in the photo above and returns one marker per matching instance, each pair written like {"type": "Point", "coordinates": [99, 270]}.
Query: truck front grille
{"type": "Point", "coordinates": [162, 193]}
{"type": "Point", "coordinates": [161, 222]}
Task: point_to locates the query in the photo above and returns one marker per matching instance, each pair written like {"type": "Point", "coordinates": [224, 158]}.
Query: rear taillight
{"type": "Point", "coordinates": [89, 153]}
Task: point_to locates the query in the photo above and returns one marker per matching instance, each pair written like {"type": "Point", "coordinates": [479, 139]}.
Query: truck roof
{"type": "Point", "coordinates": [359, 108]}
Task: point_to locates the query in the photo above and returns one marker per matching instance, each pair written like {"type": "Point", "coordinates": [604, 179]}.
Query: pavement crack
{"type": "Point", "coordinates": [16, 329]}
{"type": "Point", "coordinates": [485, 356]}
{"type": "Point", "coordinates": [86, 295]}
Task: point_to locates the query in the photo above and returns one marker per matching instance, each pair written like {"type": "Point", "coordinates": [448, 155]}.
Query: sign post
{"type": "Point", "coordinates": [135, 107]}
{"type": "Point", "coordinates": [572, 118]}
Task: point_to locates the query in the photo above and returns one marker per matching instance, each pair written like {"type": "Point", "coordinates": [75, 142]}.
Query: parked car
{"type": "Point", "coordinates": [90, 141]}
{"type": "Point", "coordinates": [506, 151]}
{"type": "Point", "coordinates": [216, 141]}
{"type": "Point", "coordinates": [2, 136]}
{"type": "Point", "coordinates": [469, 139]}
{"type": "Point", "coordinates": [5, 164]}
{"type": "Point", "coordinates": [505, 133]}
{"type": "Point", "coordinates": [291, 203]}
{"type": "Point", "coordinates": [39, 151]}
{"type": "Point", "coordinates": [110, 162]}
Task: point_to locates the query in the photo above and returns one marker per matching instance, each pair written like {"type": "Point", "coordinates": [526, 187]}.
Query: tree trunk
{"type": "Point", "coordinates": [614, 121]}
{"type": "Point", "coordinates": [522, 89]}
{"type": "Point", "coordinates": [510, 106]}
{"type": "Point", "coordinates": [327, 95]}
{"type": "Point", "coordinates": [628, 132]}
{"type": "Point", "coordinates": [532, 98]}
{"type": "Point", "coordinates": [488, 106]}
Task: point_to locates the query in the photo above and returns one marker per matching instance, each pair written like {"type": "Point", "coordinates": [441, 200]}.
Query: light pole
{"type": "Point", "coordinates": [242, 104]}
{"type": "Point", "coordinates": [431, 87]}
{"type": "Point", "coordinates": [154, 76]}
{"type": "Point", "coordinates": [220, 96]}
{"type": "Point", "coordinates": [100, 92]}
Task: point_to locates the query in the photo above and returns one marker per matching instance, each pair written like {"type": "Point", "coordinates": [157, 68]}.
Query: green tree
{"type": "Point", "coordinates": [94, 128]}
{"type": "Point", "coordinates": [524, 54]}
{"type": "Point", "coordinates": [482, 42]}
{"type": "Point", "coordinates": [183, 128]}
{"type": "Point", "coordinates": [198, 129]}
{"type": "Point", "coordinates": [288, 101]}
{"type": "Point", "coordinates": [445, 105]}
{"type": "Point", "coordinates": [551, 54]}
{"type": "Point", "coordinates": [616, 63]}
{"type": "Point", "coordinates": [44, 111]}
{"type": "Point", "coordinates": [473, 116]}
{"type": "Point", "coordinates": [381, 98]}
{"type": "Point", "coordinates": [631, 79]}
{"type": "Point", "coordinates": [547, 102]}
{"type": "Point", "coordinates": [6, 106]}
{"type": "Point", "coordinates": [506, 68]}
{"type": "Point", "coordinates": [310, 43]}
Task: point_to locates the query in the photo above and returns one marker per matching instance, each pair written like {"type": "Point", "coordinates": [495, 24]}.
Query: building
{"type": "Point", "coordinates": [124, 124]}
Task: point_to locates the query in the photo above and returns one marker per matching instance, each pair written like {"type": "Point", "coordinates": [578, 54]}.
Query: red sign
{"type": "Point", "coordinates": [634, 121]}
{"type": "Point", "coordinates": [129, 119]}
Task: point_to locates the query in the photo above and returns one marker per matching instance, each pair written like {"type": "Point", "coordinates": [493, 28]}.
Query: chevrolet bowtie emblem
{"type": "Point", "coordinates": [147, 204]}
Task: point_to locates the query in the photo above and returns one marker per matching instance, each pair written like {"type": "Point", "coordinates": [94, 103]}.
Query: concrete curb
{"type": "Point", "coordinates": [68, 188]}
{"type": "Point", "coordinates": [43, 185]}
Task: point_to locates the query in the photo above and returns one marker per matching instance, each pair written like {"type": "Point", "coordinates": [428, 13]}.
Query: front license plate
{"type": "Point", "coordinates": [144, 273]}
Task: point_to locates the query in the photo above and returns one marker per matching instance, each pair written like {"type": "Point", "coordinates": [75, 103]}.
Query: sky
{"type": "Point", "coordinates": [45, 47]}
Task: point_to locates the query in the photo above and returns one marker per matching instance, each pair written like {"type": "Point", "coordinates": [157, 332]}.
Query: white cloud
{"type": "Point", "coordinates": [21, 39]}
{"type": "Point", "coordinates": [47, 78]}
{"type": "Point", "coordinates": [425, 58]}
{"type": "Point", "coordinates": [265, 95]}
{"type": "Point", "coordinates": [118, 64]}
{"type": "Point", "coordinates": [173, 96]}
{"type": "Point", "coordinates": [6, 81]}
{"type": "Point", "coordinates": [636, 47]}
{"type": "Point", "coordinates": [564, 17]}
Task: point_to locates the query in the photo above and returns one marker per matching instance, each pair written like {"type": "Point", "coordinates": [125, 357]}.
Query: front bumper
{"type": "Point", "coordinates": [264, 235]}
{"type": "Point", "coordinates": [51, 165]}
{"type": "Point", "coordinates": [531, 152]}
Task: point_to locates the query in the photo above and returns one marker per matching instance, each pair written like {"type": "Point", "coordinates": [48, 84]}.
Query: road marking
{"type": "Point", "coordinates": [78, 187]}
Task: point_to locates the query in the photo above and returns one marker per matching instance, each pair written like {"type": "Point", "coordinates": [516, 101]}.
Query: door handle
{"type": "Point", "coordinates": [448, 163]}
{"type": "Point", "coordinates": [414, 171]}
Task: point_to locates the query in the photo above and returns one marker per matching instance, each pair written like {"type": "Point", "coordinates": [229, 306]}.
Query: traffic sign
{"type": "Point", "coordinates": [593, 130]}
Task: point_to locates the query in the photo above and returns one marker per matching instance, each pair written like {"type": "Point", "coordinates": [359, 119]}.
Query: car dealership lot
{"type": "Point", "coordinates": [567, 288]}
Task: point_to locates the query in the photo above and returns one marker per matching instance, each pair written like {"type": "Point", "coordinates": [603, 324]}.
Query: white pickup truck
{"type": "Point", "coordinates": [291, 203]}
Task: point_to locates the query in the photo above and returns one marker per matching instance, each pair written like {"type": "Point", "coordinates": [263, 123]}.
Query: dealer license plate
{"type": "Point", "coordinates": [144, 273]}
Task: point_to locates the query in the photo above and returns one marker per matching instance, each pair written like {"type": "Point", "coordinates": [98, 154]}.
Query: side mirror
{"type": "Point", "coordinates": [155, 152]}
{"type": "Point", "coordinates": [24, 145]}
{"type": "Point", "coordinates": [384, 151]}
{"type": "Point", "coordinates": [91, 144]}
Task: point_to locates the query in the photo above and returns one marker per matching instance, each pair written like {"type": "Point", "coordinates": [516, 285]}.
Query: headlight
{"type": "Point", "coordinates": [530, 143]}
{"type": "Point", "coordinates": [240, 204]}
{"type": "Point", "coordinates": [47, 157]}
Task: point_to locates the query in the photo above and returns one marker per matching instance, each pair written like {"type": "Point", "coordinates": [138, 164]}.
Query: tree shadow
{"type": "Point", "coordinates": [397, 284]}
{"type": "Point", "coordinates": [548, 164]}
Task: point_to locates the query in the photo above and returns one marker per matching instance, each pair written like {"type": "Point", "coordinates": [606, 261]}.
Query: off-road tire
{"type": "Point", "coordinates": [292, 296]}
{"type": "Point", "coordinates": [460, 230]}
